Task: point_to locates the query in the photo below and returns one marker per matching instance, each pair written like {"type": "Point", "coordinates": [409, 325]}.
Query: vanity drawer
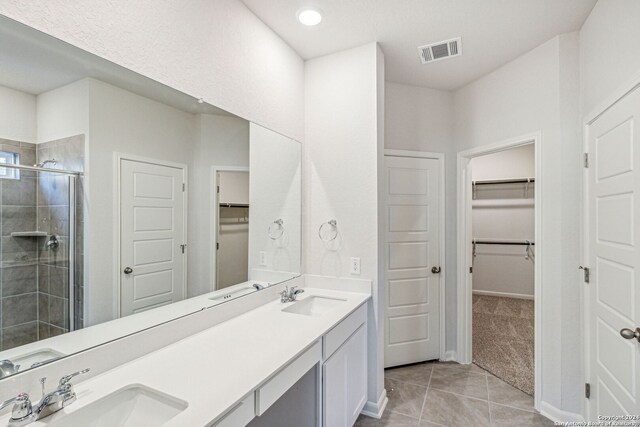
{"type": "Point", "coordinates": [342, 331]}
{"type": "Point", "coordinates": [286, 378]}
{"type": "Point", "coordinates": [240, 415]}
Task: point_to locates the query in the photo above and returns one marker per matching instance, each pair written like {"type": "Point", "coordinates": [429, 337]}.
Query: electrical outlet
{"type": "Point", "coordinates": [355, 266]}
{"type": "Point", "coordinates": [263, 258]}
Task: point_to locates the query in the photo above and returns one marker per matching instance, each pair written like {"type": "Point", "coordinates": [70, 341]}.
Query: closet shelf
{"type": "Point", "coordinates": [234, 205]}
{"type": "Point", "coordinates": [29, 234]}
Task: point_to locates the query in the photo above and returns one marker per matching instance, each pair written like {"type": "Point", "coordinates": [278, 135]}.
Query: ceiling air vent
{"type": "Point", "coordinates": [441, 50]}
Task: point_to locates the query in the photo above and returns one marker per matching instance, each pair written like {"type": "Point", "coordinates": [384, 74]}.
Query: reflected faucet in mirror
{"type": "Point", "coordinates": [7, 367]}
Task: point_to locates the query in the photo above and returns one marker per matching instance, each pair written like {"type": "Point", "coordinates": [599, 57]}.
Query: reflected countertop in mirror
{"type": "Point", "coordinates": [146, 204]}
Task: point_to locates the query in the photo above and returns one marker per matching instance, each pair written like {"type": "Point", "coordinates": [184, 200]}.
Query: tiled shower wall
{"type": "Point", "coordinates": [19, 275]}
{"type": "Point", "coordinates": [33, 279]}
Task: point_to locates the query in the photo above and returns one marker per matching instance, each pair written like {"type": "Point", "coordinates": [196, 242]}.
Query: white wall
{"type": "Point", "coordinates": [63, 112]}
{"type": "Point", "coordinates": [421, 119]}
{"type": "Point", "coordinates": [275, 193]}
{"type": "Point", "coordinates": [515, 163]}
{"type": "Point", "coordinates": [504, 212]}
{"type": "Point", "coordinates": [122, 122]}
{"type": "Point", "coordinates": [342, 148]}
{"type": "Point", "coordinates": [609, 46]}
{"type": "Point", "coordinates": [418, 118]}
{"type": "Point", "coordinates": [17, 115]}
{"type": "Point", "coordinates": [536, 92]}
{"type": "Point", "coordinates": [214, 49]}
{"type": "Point", "coordinates": [220, 141]}
{"type": "Point", "coordinates": [234, 187]}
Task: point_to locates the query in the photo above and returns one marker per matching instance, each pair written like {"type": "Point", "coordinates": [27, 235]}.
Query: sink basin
{"type": "Point", "coordinates": [314, 305]}
{"type": "Point", "coordinates": [36, 357]}
{"type": "Point", "coordinates": [134, 405]}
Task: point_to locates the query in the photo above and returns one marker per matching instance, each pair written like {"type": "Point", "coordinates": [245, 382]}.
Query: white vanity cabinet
{"type": "Point", "coordinates": [344, 371]}
{"type": "Point", "coordinates": [339, 360]}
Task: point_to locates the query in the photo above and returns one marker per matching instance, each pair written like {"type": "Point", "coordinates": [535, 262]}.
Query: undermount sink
{"type": "Point", "coordinates": [314, 305]}
{"type": "Point", "coordinates": [134, 405]}
{"type": "Point", "coordinates": [36, 357]}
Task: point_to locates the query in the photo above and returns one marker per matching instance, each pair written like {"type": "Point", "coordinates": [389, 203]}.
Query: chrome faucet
{"type": "Point", "coordinates": [24, 413]}
{"type": "Point", "coordinates": [7, 367]}
{"type": "Point", "coordinates": [258, 286]}
{"type": "Point", "coordinates": [290, 295]}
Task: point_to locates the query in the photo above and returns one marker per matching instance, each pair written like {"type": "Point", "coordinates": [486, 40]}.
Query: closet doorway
{"type": "Point", "coordinates": [231, 224]}
{"type": "Point", "coordinates": [498, 290]}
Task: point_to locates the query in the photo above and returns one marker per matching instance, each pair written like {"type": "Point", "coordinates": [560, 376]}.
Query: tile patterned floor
{"type": "Point", "coordinates": [448, 394]}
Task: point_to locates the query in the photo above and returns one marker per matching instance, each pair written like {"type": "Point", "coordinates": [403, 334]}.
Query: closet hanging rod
{"type": "Point", "coordinates": [505, 181]}
{"type": "Point", "coordinates": [234, 205]}
{"type": "Point", "coordinates": [503, 242]}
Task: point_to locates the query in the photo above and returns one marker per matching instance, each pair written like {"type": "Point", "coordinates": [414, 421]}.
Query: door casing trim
{"type": "Point", "coordinates": [464, 237]}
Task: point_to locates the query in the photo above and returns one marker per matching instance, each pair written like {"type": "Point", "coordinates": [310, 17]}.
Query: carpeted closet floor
{"type": "Point", "coordinates": [503, 339]}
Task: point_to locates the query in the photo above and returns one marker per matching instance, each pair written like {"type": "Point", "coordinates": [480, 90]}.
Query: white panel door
{"type": "Point", "coordinates": [152, 230]}
{"type": "Point", "coordinates": [614, 231]}
{"type": "Point", "coordinates": [412, 249]}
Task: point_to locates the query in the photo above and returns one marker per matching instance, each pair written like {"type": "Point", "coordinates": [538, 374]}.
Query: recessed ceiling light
{"type": "Point", "coordinates": [309, 16]}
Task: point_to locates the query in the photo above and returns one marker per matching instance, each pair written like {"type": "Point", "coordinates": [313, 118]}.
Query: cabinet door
{"type": "Point", "coordinates": [345, 382]}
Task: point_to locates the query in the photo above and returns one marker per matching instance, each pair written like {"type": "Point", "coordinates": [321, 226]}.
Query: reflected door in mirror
{"type": "Point", "coordinates": [152, 224]}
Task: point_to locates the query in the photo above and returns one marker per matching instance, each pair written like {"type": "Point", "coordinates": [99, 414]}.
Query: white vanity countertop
{"type": "Point", "coordinates": [215, 369]}
{"type": "Point", "coordinates": [92, 336]}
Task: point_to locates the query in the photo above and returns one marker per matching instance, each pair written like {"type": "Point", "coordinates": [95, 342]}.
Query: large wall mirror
{"type": "Point", "coordinates": [125, 203]}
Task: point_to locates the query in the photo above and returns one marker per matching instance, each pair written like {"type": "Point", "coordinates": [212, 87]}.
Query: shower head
{"type": "Point", "coordinates": [44, 163]}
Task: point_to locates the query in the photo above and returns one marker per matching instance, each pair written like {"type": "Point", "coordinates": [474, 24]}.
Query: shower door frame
{"type": "Point", "coordinates": [72, 175]}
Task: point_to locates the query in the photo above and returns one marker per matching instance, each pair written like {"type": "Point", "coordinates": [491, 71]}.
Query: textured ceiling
{"type": "Point", "coordinates": [493, 31]}
{"type": "Point", "coordinates": [34, 63]}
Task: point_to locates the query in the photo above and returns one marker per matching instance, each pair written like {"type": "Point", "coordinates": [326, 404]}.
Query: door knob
{"type": "Point", "coordinates": [128, 270]}
{"type": "Point", "coordinates": [436, 270]}
{"type": "Point", "coordinates": [628, 334]}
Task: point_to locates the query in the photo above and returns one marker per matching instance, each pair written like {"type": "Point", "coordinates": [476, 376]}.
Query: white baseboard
{"type": "Point", "coordinates": [450, 356]}
{"type": "Point", "coordinates": [558, 415]}
{"type": "Point", "coordinates": [502, 294]}
{"type": "Point", "coordinates": [376, 409]}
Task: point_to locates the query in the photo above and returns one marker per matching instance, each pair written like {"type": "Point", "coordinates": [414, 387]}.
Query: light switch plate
{"type": "Point", "coordinates": [355, 266]}
{"type": "Point", "coordinates": [263, 258]}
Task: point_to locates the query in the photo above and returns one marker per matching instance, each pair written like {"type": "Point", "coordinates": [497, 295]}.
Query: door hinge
{"type": "Point", "coordinates": [470, 269]}
{"type": "Point", "coordinates": [218, 189]}
{"type": "Point", "coordinates": [587, 390]}
{"type": "Point", "coordinates": [218, 246]}
{"type": "Point", "coordinates": [586, 160]}
{"type": "Point", "coordinates": [184, 186]}
{"type": "Point", "coordinates": [587, 273]}
{"type": "Point", "coordinates": [183, 247]}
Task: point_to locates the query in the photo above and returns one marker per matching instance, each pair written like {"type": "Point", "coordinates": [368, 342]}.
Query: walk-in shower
{"type": "Point", "coordinates": [40, 276]}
